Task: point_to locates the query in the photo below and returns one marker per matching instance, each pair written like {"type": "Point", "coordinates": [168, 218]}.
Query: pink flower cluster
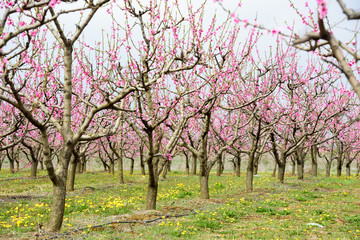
{"type": "Point", "coordinates": [322, 8]}
{"type": "Point", "coordinates": [54, 2]}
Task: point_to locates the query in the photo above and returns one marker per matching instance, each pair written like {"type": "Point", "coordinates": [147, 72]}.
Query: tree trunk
{"type": "Point", "coordinates": [204, 185]}
{"type": "Point", "coordinates": [204, 179]}
{"type": "Point", "coordinates": [328, 168]}
{"type": "Point", "coordinates": [348, 168]}
{"type": "Point", "coordinates": [58, 177]}
{"type": "Point", "coordinates": [281, 170]}
{"type": "Point", "coordinates": [34, 165]}
{"type": "Point", "coordinates": [338, 167]}
{"type": "Point", "coordinates": [256, 164]}
{"type": "Point", "coordinates": [219, 166]}
{"type": "Point", "coordinates": [74, 162]}
{"type": "Point", "coordinates": [293, 167]}
{"type": "Point", "coordinates": [165, 170]}
{"type": "Point", "coordinates": [132, 163]}
{"type": "Point", "coordinates": [57, 206]}
{"type": "Point", "coordinates": [238, 165]}
{"type": "Point", "coordinates": [358, 168]}
{"type": "Point", "coordinates": [41, 165]}
{"type": "Point", "coordinates": [300, 164]}
{"type": "Point", "coordinates": [300, 169]}
{"type": "Point", "coordinates": [314, 162]}
{"type": "Point", "coordinates": [17, 166]}
{"type": "Point", "coordinates": [83, 164]}
{"type": "Point", "coordinates": [121, 167]}
{"type": "Point", "coordinates": [274, 170]}
{"type": "Point", "coordinates": [194, 164]}
{"type": "Point", "coordinates": [78, 167]}
{"type": "Point", "coordinates": [112, 167]}
{"type": "Point", "coordinates": [250, 172]}
{"type": "Point", "coordinates": [142, 164]}
{"type": "Point", "coordinates": [12, 166]}
{"type": "Point", "coordinates": [152, 185]}
{"type": "Point", "coordinates": [187, 166]}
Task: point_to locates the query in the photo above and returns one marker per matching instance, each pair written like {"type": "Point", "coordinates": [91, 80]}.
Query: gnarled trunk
{"type": "Point", "coordinates": [57, 206]}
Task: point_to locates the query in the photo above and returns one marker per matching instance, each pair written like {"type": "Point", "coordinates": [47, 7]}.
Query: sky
{"type": "Point", "coordinates": [269, 13]}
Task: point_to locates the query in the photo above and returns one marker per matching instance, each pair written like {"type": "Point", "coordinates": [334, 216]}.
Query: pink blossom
{"type": "Point", "coordinates": [322, 8]}
{"type": "Point", "coordinates": [275, 31]}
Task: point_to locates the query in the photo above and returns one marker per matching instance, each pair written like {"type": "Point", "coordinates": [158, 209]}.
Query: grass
{"type": "Point", "coordinates": [271, 211]}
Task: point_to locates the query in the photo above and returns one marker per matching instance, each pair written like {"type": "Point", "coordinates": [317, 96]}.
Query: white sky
{"type": "Point", "coordinates": [269, 13]}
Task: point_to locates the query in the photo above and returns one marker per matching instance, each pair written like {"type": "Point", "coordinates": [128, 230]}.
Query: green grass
{"type": "Point", "coordinates": [271, 211]}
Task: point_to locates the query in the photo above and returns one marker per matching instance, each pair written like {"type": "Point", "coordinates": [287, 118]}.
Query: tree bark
{"type": "Point", "coordinates": [74, 162]}
{"type": "Point", "coordinates": [314, 162]}
{"type": "Point", "coordinates": [256, 164]}
{"type": "Point", "coordinates": [274, 170]}
{"type": "Point", "coordinates": [165, 170]}
{"type": "Point", "coordinates": [121, 166]}
{"type": "Point", "coordinates": [142, 164]}
{"type": "Point", "coordinates": [293, 167]}
{"type": "Point", "coordinates": [204, 184]}
{"type": "Point", "coordinates": [250, 171]}
{"type": "Point", "coordinates": [194, 164]}
{"type": "Point", "coordinates": [152, 185]}
{"type": "Point", "coordinates": [41, 165]}
{"type": "Point", "coordinates": [348, 168]}
{"type": "Point", "coordinates": [34, 165]}
{"type": "Point", "coordinates": [83, 162]}
{"type": "Point", "coordinates": [57, 206]}
{"type": "Point", "coordinates": [187, 165]}
{"type": "Point", "coordinates": [112, 167]}
{"type": "Point", "coordinates": [237, 161]}
{"type": "Point", "coordinates": [338, 167]}
{"type": "Point", "coordinates": [204, 176]}
{"type": "Point", "coordinates": [300, 169]}
{"type": "Point", "coordinates": [132, 163]}
{"type": "Point", "coordinates": [219, 166]}
{"type": "Point", "coordinates": [281, 173]}
{"type": "Point", "coordinates": [328, 168]}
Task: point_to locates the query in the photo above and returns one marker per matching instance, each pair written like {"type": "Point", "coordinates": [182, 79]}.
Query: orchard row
{"type": "Point", "coordinates": [162, 81]}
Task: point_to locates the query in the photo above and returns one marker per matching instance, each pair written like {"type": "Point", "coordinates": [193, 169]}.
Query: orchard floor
{"type": "Point", "coordinates": [99, 208]}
